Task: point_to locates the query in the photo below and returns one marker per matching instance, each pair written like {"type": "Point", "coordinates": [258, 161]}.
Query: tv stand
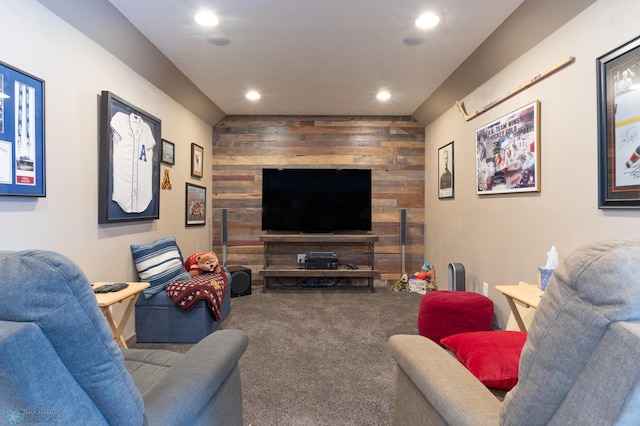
{"type": "Point", "coordinates": [271, 271]}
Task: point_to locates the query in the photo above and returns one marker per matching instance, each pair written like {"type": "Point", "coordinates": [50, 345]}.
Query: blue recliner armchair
{"type": "Point", "coordinates": [59, 363]}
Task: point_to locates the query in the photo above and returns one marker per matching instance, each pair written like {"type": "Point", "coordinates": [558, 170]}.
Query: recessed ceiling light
{"type": "Point", "coordinates": [383, 96]}
{"type": "Point", "coordinates": [427, 20]}
{"type": "Point", "coordinates": [253, 95]}
{"type": "Point", "coordinates": [206, 18]}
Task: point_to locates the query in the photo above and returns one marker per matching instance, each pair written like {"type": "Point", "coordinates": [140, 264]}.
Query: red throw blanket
{"type": "Point", "coordinates": [208, 287]}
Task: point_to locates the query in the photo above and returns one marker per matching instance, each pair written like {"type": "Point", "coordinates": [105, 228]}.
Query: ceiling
{"type": "Point", "coordinates": [327, 57]}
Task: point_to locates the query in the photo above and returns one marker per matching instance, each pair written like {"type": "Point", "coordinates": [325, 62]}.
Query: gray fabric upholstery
{"type": "Point", "coordinates": [58, 357]}
{"type": "Point", "coordinates": [578, 366]}
{"type": "Point", "coordinates": [576, 329]}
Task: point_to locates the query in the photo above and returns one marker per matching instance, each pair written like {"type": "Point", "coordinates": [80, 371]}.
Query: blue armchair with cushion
{"type": "Point", "coordinates": [59, 363]}
{"type": "Point", "coordinates": [158, 319]}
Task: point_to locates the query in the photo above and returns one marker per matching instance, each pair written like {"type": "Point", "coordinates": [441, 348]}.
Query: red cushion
{"type": "Point", "coordinates": [491, 356]}
{"type": "Point", "coordinates": [443, 313]}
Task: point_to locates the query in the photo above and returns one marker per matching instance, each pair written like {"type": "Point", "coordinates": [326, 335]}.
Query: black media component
{"type": "Point", "coordinates": [224, 227]}
{"type": "Point", "coordinates": [316, 200]}
{"type": "Point", "coordinates": [403, 227]}
{"type": "Point", "coordinates": [240, 280]}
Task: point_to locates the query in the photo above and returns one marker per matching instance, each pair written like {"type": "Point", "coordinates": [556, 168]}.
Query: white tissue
{"type": "Point", "coordinates": [552, 258]}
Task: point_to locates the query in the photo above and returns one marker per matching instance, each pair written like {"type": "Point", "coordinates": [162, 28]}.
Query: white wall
{"type": "Point", "coordinates": [75, 71]}
{"type": "Point", "coordinates": [501, 239]}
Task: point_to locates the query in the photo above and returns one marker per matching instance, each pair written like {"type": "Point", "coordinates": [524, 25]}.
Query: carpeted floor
{"type": "Point", "coordinates": [319, 356]}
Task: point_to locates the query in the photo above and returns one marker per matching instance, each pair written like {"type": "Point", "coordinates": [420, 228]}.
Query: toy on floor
{"type": "Point", "coordinates": [201, 262]}
{"type": "Point", "coordinates": [402, 284]}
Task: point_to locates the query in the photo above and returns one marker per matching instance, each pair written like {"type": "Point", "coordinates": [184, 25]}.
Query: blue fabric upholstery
{"type": "Point", "coordinates": [58, 359]}
{"type": "Point", "coordinates": [159, 320]}
{"type": "Point", "coordinates": [52, 293]}
{"type": "Point", "coordinates": [159, 263]}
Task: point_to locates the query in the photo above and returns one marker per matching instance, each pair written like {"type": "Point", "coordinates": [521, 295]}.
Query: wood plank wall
{"type": "Point", "coordinates": [392, 147]}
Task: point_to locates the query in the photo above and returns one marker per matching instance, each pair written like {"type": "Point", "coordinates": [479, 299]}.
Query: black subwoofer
{"type": "Point", "coordinates": [240, 280]}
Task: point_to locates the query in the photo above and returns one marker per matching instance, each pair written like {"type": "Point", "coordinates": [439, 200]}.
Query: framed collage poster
{"type": "Point", "coordinates": [445, 171]}
{"type": "Point", "coordinates": [22, 154]}
{"type": "Point", "coordinates": [129, 169]}
{"type": "Point", "coordinates": [618, 75]}
{"type": "Point", "coordinates": [195, 205]}
{"type": "Point", "coordinates": [508, 153]}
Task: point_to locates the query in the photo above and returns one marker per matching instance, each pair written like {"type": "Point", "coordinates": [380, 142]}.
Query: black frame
{"type": "Point", "coordinates": [109, 210]}
{"type": "Point", "coordinates": [168, 155]}
{"type": "Point", "coordinates": [197, 160]}
{"type": "Point", "coordinates": [22, 164]}
{"type": "Point", "coordinates": [618, 127]}
{"type": "Point", "coordinates": [195, 202]}
{"type": "Point", "coordinates": [445, 192]}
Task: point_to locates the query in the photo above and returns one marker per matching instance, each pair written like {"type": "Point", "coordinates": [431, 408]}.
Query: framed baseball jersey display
{"type": "Point", "coordinates": [130, 146]}
{"type": "Point", "coordinates": [21, 133]}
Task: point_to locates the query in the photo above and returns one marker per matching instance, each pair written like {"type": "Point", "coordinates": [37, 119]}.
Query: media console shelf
{"type": "Point", "coordinates": [365, 271]}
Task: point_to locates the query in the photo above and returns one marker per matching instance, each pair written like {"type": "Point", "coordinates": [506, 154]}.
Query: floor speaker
{"type": "Point", "coordinates": [240, 280]}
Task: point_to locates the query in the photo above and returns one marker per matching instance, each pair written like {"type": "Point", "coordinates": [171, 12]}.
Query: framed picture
{"type": "Point", "coordinates": [196, 205]}
{"type": "Point", "coordinates": [129, 169]}
{"type": "Point", "coordinates": [197, 157]}
{"type": "Point", "coordinates": [508, 153]}
{"type": "Point", "coordinates": [618, 75]}
{"type": "Point", "coordinates": [168, 152]}
{"type": "Point", "coordinates": [22, 162]}
{"type": "Point", "coordinates": [445, 171]}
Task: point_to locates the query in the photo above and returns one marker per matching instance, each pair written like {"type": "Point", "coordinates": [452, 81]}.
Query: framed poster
{"type": "Point", "coordinates": [197, 156]}
{"type": "Point", "coordinates": [22, 155]}
{"type": "Point", "coordinates": [508, 153]}
{"type": "Point", "coordinates": [445, 171]}
{"type": "Point", "coordinates": [618, 75]}
{"type": "Point", "coordinates": [129, 169]}
{"type": "Point", "coordinates": [196, 205]}
{"type": "Point", "coordinates": [168, 152]}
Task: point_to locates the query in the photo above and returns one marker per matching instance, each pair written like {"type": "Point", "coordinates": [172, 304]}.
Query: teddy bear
{"type": "Point", "coordinates": [402, 284]}
{"type": "Point", "coordinates": [201, 262]}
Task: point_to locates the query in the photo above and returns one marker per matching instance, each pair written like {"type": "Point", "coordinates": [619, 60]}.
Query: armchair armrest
{"type": "Point", "coordinates": [190, 385]}
{"type": "Point", "coordinates": [447, 392]}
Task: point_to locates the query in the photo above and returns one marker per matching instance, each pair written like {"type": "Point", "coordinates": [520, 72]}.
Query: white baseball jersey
{"type": "Point", "coordinates": [133, 144]}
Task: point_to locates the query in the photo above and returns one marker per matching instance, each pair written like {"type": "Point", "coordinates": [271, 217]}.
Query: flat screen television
{"type": "Point", "coordinates": [316, 200]}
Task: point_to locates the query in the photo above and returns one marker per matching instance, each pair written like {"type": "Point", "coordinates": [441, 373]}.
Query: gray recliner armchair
{"type": "Point", "coordinates": [59, 363]}
{"type": "Point", "coordinates": [579, 365]}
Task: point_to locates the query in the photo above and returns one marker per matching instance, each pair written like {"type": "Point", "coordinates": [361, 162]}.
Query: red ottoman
{"type": "Point", "coordinates": [444, 313]}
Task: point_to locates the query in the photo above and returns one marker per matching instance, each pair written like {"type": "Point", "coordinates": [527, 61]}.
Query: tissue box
{"type": "Point", "coordinates": [544, 275]}
{"type": "Point", "coordinates": [418, 286]}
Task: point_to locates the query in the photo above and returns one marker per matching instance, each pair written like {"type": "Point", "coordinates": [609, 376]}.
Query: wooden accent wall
{"type": "Point", "coordinates": [392, 147]}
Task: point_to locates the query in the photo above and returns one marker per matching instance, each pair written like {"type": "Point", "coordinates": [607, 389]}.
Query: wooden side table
{"type": "Point", "coordinates": [106, 300]}
{"type": "Point", "coordinates": [527, 295]}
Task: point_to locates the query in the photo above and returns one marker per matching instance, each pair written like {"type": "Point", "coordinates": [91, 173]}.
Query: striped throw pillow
{"type": "Point", "coordinates": [159, 263]}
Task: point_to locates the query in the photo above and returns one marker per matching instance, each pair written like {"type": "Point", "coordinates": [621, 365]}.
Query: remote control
{"type": "Point", "coordinates": [110, 287]}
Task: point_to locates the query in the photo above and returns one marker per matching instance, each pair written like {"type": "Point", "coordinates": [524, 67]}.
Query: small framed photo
{"type": "Point", "coordinates": [508, 153]}
{"type": "Point", "coordinates": [197, 157]}
{"type": "Point", "coordinates": [196, 205]}
{"type": "Point", "coordinates": [445, 171]}
{"type": "Point", "coordinates": [618, 76]}
{"type": "Point", "coordinates": [168, 152]}
{"type": "Point", "coordinates": [22, 162]}
{"type": "Point", "coordinates": [129, 169]}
